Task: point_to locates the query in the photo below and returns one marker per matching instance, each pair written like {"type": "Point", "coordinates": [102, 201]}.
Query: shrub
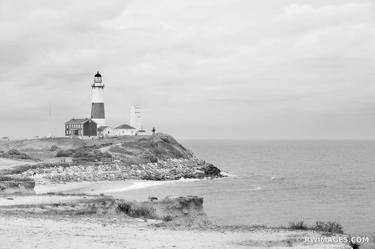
{"type": "Point", "coordinates": [13, 152]}
{"type": "Point", "coordinates": [167, 218]}
{"type": "Point", "coordinates": [150, 158]}
{"type": "Point", "coordinates": [53, 148]}
{"type": "Point", "coordinates": [64, 153]}
{"type": "Point", "coordinates": [135, 210]}
{"type": "Point", "coordinates": [300, 225]}
{"type": "Point", "coordinates": [330, 227]}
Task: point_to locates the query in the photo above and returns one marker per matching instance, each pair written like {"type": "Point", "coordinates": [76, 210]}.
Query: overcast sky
{"type": "Point", "coordinates": [248, 69]}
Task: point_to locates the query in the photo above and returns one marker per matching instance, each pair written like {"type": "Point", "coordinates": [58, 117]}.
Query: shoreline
{"type": "Point", "coordinates": [104, 187]}
{"type": "Point", "coordinates": [43, 230]}
{"type": "Point", "coordinates": [71, 197]}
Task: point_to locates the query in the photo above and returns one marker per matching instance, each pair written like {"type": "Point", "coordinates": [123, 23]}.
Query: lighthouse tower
{"type": "Point", "coordinates": [97, 107]}
{"type": "Point", "coordinates": [136, 117]}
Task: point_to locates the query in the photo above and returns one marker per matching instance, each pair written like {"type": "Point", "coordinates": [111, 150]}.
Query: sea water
{"type": "Point", "coordinates": [276, 182]}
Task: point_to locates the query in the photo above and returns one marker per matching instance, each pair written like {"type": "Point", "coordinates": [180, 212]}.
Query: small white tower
{"type": "Point", "coordinates": [97, 106]}
{"type": "Point", "coordinates": [136, 117]}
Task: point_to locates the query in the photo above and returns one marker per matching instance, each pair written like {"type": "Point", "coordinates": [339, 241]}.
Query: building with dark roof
{"type": "Point", "coordinates": [81, 127]}
{"type": "Point", "coordinates": [121, 130]}
{"type": "Point", "coordinates": [124, 130]}
{"type": "Point", "coordinates": [125, 127]}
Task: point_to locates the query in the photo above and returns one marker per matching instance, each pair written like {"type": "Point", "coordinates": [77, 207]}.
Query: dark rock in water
{"type": "Point", "coordinates": [211, 171]}
{"type": "Point", "coordinates": [180, 211]}
{"type": "Point", "coordinates": [16, 185]}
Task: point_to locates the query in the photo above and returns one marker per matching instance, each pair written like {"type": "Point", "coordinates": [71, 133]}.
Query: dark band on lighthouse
{"type": "Point", "coordinates": [97, 111]}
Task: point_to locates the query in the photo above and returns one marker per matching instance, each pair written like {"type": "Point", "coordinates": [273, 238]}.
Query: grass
{"type": "Point", "coordinates": [142, 148]}
{"type": "Point", "coordinates": [15, 154]}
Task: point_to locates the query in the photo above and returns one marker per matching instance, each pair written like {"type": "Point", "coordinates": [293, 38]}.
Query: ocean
{"type": "Point", "coordinates": [276, 182]}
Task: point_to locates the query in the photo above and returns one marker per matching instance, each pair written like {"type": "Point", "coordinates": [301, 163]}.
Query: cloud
{"type": "Point", "coordinates": [231, 62]}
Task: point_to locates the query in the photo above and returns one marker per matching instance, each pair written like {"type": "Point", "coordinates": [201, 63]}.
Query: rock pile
{"type": "Point", "coordinates": [172, 169]}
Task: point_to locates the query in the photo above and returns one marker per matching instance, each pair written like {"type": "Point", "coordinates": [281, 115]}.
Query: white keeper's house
{"type": "Point", "coordinates": [122, 130]}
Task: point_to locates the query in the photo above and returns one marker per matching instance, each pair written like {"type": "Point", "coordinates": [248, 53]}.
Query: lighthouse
{"type": "Point", "coordinates": [136, 117]}
{"type": "Point", "coordinates": [97, 106]}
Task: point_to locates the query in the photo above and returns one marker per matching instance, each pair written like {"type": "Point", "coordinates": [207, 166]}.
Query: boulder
{"type": "Point", "coordinates": [211, 171]}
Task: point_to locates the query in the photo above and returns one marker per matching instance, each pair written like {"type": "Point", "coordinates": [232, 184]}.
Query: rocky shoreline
{"type": "Point", "coordinates": [63, 160]}
{"type": "Point", "coordinates": [158, 157]}
{"type": "Point", "coordinates": [172, 169]}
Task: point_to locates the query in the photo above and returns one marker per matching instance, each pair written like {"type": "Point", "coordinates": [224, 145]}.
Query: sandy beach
{"type": "Point", "coordinates": [103, 187]}
{"type": "Point", "coordinates": [21, 232]}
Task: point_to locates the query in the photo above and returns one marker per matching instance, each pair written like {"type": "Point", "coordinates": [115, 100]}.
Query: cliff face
{"type": "Point", "coordinates": [16, 185]}
{"type": "Point", "coordinates": [173, 211]}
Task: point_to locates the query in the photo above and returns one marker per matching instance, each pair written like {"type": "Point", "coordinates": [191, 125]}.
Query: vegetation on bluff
{"type": "Point", "coordinates": [157, 157]}
{"type": "Point", "coordinates": [17, 155]}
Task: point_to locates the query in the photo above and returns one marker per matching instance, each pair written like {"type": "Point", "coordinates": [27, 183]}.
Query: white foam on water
{"type": "Point", "coordinates": [226, 174]}
{"type": "Point", "coordinates": [147, 184]}
{"type": "Point", "coordinates": [135, 185]}
{"type": "Point", "coordinates": [256, 188]}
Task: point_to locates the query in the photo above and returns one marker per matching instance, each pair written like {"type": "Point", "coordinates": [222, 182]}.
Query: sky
{"type": "Point", "coordinates": [200, 69]}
